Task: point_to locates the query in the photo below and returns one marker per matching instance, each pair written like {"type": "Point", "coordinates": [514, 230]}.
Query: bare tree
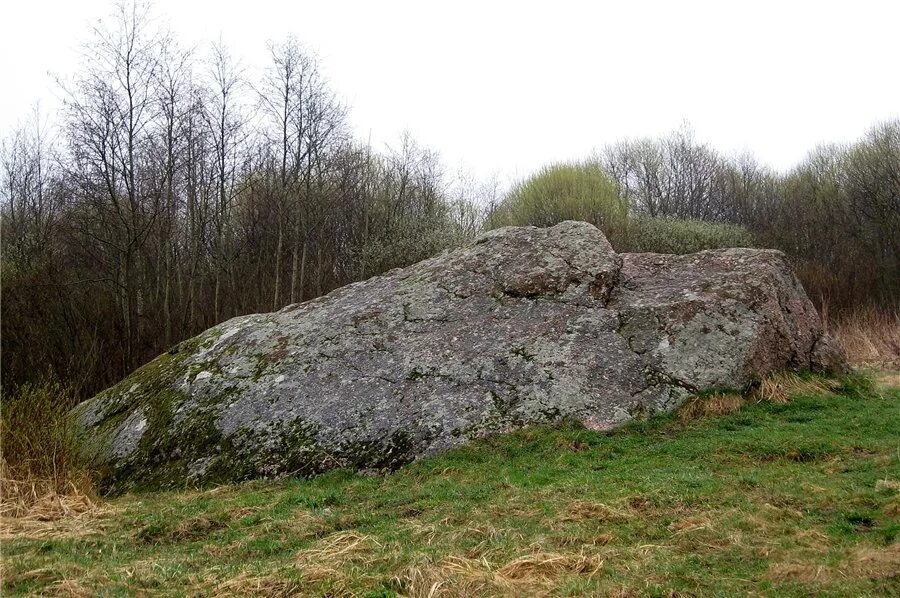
{"type": "Point", "coordinates": [109, 111]}
{"type": "Point", "coordinates": [29, 193]}
{"type": "Point", "coordinates": [307, 125]}
{"type": "Point", "coordinates": [173, 87]}
{"type": "Point", "coordinates": [226, 122]}
{"type": "Point", "coordinates": [170, 208]}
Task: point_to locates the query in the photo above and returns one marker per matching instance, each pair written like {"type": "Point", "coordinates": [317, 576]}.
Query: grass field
{"type": "Point", "coordinates": [784, 498]}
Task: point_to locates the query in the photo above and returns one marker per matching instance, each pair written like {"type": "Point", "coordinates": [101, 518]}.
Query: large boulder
{"type": "Point", "coordinates": [521, 326]}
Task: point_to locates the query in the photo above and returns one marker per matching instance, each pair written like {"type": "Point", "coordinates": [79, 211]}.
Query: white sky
{"type": "Point", "coordinates": [505, 87]}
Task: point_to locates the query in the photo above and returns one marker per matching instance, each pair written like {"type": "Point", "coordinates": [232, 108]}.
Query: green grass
{"type": "Point", "coordinates": [791, 499]}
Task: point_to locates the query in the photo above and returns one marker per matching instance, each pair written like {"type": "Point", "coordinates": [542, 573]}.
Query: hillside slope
{"type": "Point", "coordinates": [777, 498]}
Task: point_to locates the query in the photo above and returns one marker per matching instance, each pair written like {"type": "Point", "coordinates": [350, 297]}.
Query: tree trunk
{"type": "Point", "coordinates": [294, 261]}
{"type": "Point", "coordinates": [320, 270]}
{"type": "Point", "coordinates": [303, 270]}
{"type": "Point", "coordinates": [167, 315]}
{"type": "Point", "coordinates": [129, 310]}
{"type": "Point", "coordinates": [278, 267]}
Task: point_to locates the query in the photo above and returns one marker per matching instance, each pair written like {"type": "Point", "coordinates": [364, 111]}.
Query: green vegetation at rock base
{"type": "Point", "coordinates": [793, 498]}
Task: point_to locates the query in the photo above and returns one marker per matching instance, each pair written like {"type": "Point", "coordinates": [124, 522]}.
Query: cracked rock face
{"type": "Point", "coordinates": [522, 326]}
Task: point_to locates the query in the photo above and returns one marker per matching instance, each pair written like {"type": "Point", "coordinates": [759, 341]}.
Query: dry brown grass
{"type": "Point", "coordinates": [777, 388]}
{"type": "Point", "coordinates": [36, 508]}
{"type": "Point", "coordinates": [690, 524]}
{"type": "Point", "coordinates": [887, 485]}
{"type": "Point", "coordinates": [45, 491]}
{"type": "Point", "coordinates": [69, 516]}
{"type": "Point", "coordinates": [70, 587]}
{"type": "Point", "coordinates": [453, 576]}
{"type": "Point", "coordinates": [799, 572]}
{"type": "Point", "coordinates": [864, 562]}
{"type": "Point", "coordinates": [44, 499]}
{"type": "Point", "coordinates": [781, 387]}
{"type": "Point", "coordinates": [720, 403]}
{"type": "Point", "coordinates": [584, 538]}
{"type": "Point", "coordinates": [532, 574]}
{"type": "Point", "coordinates": [246, 584]}
{"type": "Point", "coordinates": [59, 582]}
{"type": "Point", "coordinates": [883, 561]}
{"type": "Point", "coordinates": [42, 475]}
{"type": "Point", "coordinates": [546, 567]}
{"type": "Point", "coordinates": [334, 560]}
{"type": "Point", "coordinates": [194, 528]}
{"type": "Point", "coordinates": [45, 508]}
{"type": "Point", "coordinates": [337, 556]}
{"type": "Point", "coordinates": [582, 510]}
{"type": "Point", "coordinates": [886, 378]}
{"type": "Point", "coordinates": [871, 337]}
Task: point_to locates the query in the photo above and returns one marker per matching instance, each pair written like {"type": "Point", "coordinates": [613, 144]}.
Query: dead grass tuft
{"type": "Point", "coordinates": [582, 510]}
{"type": "Point", "coordinates": [195, 528]}
{"type": "Point", "coordinates": [238, 512]}
{"type": "Point", "coordinates": [870, 337]}
{"type": "Point", "coordinates": [798, 572]}
{"type": "Point", "coordinates": [531, 574]}
{"type": "Point", "coordinates": [67, 587]}
{"type": "Point", "coordinates": [875, 563]}
{"type": "Point", "coordinates": [246, 584]}
{"type": "Point", "coordinates": [44, 575]}
{"type": "Point", "coordinates": [710, 405]}
{"type": "Point", "coordinates": [53, 581]}
{"type": "Point", "coordinates": [813, 540]}
{"type": "Point", "coordinates": [336, 551]}
{"type": "Point", "coordinates": [781, 387]}
{"type": "Point", "coordinates": [52, 516]}
{"type": "Point", "coordinates": [582, 539]}
{"type": "Point", "coordinates": [892, 508]}
{"type": "Point", "coordinates": [638, 502]}
{"type": "Point", "coordinates": [454, 576]}
{"type": "Point", "coordinates": [889, 379]}
{"type": "Point", "coordinates": [547, 567]}
{"type": "Point", "coordinates": [42, 499]}
{"type": "Point", "coordinates": [864, 562]}
{"type": "Point", "coordinates": [42, 473]}
{"type": "Point", "coordinates": [886, 484]}
{"type": "Point", "coordinates": [690, 524]}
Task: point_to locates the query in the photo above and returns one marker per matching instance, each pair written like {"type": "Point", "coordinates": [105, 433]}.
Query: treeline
{"type": "Point", "coordinates": [836, 215]}
{"type": "Point", "coordinates": [175, 191]}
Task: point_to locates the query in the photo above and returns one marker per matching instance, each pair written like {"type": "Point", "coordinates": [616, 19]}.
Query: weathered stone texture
{"type": "Point", "coordinates": [522, 326]}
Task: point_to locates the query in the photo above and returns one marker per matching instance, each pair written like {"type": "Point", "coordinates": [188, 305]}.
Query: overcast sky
{"type": "Point", "coordinates": [505, 87]}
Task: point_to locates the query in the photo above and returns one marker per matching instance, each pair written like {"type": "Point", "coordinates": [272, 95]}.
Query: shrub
{"type": "Point", "coordinates": [574, 191]}
{"type": "Point", "coordinates": [658, 235]}
{"type": "Point", "coordinates": [583, 191]}
{"type": "Point", "coordinates": [39, 453]}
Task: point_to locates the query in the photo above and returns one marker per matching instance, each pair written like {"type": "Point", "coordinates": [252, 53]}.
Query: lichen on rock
{"type": "Point", "coordinates": [521, 326]}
